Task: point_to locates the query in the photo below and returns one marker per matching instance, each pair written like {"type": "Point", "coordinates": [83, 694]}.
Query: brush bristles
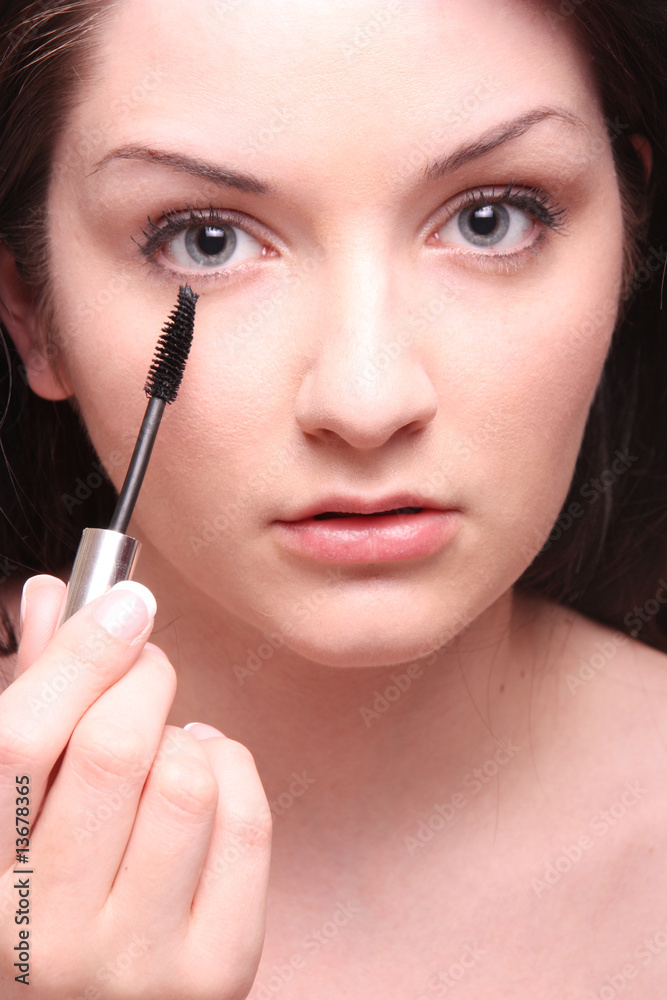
{"type": "Point", "coordinates": [171, 353]}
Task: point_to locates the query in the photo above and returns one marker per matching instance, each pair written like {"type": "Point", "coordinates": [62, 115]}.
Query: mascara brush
{"type": "Point", "coordinates": [107, 555]}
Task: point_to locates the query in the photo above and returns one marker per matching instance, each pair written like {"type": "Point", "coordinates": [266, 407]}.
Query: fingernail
{"type": "Point", "coordinates": [202, 731]}
{"type": "Point", "coordinates": [126, 610]}
{"type": "Point", "coordinates": [34, 583]}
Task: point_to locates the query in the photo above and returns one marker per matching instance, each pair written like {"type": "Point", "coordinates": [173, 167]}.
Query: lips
{"type": "Point", "coordinates": [340, 505]}
{"type": "Point", "coordinates": [380, 536]}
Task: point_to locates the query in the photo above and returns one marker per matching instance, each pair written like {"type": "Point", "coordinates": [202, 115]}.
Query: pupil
{"type": "Point", "coordinates": [484, 220]}
{"type": "Point", "coordinates": [211, 240]}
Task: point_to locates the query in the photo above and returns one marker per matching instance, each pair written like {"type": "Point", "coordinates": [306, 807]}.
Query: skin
{"type": "Point", "coordinates": [483, 404]}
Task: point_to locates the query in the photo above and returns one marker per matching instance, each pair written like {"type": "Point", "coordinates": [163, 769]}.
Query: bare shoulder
{"type": "Point", "coordinates": [612, 690]}
{"type": "Point", "coordinates": [589, 650]}
{"type": "Point", "coordinates": [604, 691]}
{"type": "Point", "coordinates": [613, 657]}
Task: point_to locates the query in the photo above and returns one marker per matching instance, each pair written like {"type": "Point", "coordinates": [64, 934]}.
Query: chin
{"type": "Point", "coordinates": [348, 641]}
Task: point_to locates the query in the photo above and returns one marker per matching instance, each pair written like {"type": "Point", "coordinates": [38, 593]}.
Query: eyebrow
{"type": "Point", "coordinates": [496, 136]}
{"type": "Point", "coordinates": [224, 176]}
{"type": "Point", "coordinates": [227, 177]}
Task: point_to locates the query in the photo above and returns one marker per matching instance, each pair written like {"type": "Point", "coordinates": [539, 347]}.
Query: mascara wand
{"type": "Point", "coordinates": [107, 555]}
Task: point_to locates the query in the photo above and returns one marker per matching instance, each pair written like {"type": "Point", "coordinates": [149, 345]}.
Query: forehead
{"type": "Point", "coordinates": [370, 69]}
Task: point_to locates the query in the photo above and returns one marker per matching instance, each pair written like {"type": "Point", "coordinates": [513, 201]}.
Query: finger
{"type": "Point", "coordinates": [88, 815]}
{"type": "Point", "coordinates": [229, 906]}
{"type": "Point", "coordinates": [161, 865]}
{"type": "Point", "coordinates": [39, 710]}
{"type": "Point", "coordinates": [43, 596]}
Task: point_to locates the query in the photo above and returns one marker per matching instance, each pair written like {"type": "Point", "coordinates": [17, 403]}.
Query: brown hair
{"type": "Point", "coordinates": [606, 553]}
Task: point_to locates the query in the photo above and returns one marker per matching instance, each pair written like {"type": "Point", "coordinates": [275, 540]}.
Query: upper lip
{"type": "Point", "coordinates": [345, 504]}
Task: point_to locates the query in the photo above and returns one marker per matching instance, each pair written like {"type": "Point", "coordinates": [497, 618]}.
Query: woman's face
{"type": "Point", "coordinates": [374, 328]}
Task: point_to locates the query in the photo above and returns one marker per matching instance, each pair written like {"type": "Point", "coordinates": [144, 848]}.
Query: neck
{"type": "Point", "coordinates": [329, 741]}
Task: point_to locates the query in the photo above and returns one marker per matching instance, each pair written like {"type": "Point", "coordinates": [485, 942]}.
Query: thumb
{"type": "Point", "coordinates": [41, 604]}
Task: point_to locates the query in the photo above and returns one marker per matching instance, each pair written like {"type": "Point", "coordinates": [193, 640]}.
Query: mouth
{"type": "Point", "coordinates": [379, 513]}
{"type": "Point", "coordinates": [382, 536]}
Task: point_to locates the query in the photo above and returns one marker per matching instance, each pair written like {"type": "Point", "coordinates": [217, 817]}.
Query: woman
{"type": "Point", "coordinates": [417, 232]}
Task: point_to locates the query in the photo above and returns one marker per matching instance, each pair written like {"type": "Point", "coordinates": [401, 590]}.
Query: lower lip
{"type": "Point", "coordinates": [385, 538]}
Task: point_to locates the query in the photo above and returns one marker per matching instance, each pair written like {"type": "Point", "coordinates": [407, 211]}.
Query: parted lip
{"type": "Point", "coordinates": [345, 504]}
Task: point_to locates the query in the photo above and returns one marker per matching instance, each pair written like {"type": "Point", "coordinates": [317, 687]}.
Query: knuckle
{"type": "Point", "coordinates": [188, 787]}
{"type": "Point", "coordinates": [107, 751]}
{"type": "Point", "coordinates": [18, 749]}
{"type": "Point", "coordinates": [252, 829]}
{"type": "Point", "coordinates": [82, 656]}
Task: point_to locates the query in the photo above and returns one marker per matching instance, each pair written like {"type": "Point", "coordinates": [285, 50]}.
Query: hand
{"type": "Point", "coordinates": [149, 849]}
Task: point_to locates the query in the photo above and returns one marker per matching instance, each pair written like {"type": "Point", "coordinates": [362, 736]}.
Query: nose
{"type": "Point", "coordinates": [366, 381]}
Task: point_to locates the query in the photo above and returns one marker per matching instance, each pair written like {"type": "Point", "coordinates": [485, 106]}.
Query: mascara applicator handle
{"type": "Point", "coordinates": [107, 556]}
{"type": "Point", "coordinates": [104, 557]}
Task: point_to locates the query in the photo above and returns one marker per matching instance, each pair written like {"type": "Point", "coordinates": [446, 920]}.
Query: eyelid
{"type": "Point", "coordinates": [199, 216]}
{"type": "Point", "coordinates": [174, 223]}
{"type": "Point", "coordinates": [551, 216]}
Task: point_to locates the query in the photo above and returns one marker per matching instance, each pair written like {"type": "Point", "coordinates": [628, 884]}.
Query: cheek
{"type": "Point", "coordinates": [545, 341]}
{"type": "Point", "coordinates": [525, 424]}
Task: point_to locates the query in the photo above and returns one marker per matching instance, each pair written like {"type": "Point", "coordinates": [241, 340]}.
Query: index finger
{"type": "Point", "coordinates": [40, 709]}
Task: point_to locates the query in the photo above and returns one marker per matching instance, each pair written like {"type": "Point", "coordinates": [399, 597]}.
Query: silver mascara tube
{"type": "Point", "coordinates": [104, 557]}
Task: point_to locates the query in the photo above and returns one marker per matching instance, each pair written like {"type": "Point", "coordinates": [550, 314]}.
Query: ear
{"type": "Point", "coordinates": [643, 148]}
{"type": "Point", "coordinates": [18, 313]}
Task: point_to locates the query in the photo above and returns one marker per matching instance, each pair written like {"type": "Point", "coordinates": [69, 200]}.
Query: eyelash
{"type": "Point", "coordinates": [536, 201]}
{"type": "Point", "coordinates": [156, 236]}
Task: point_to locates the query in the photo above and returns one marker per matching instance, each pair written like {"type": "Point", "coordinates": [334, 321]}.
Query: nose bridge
{"type": "Point", "coordinates": [361, 280]}
{"type": "Point", "coordinates": [365, 382]}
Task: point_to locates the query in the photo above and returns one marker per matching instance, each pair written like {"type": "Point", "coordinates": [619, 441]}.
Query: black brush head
{"type": "Point", "coordinates": [173, 347]}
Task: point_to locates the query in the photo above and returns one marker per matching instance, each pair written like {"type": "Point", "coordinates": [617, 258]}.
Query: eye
{"type": "Point", "coordinates": [499, 222]}
{"type": "Point", "coordinates": [495, 226]}
{"type": "Point", "coordinates": [211, 246]}
{"type": "Point", "coordinates": [196, 241]}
